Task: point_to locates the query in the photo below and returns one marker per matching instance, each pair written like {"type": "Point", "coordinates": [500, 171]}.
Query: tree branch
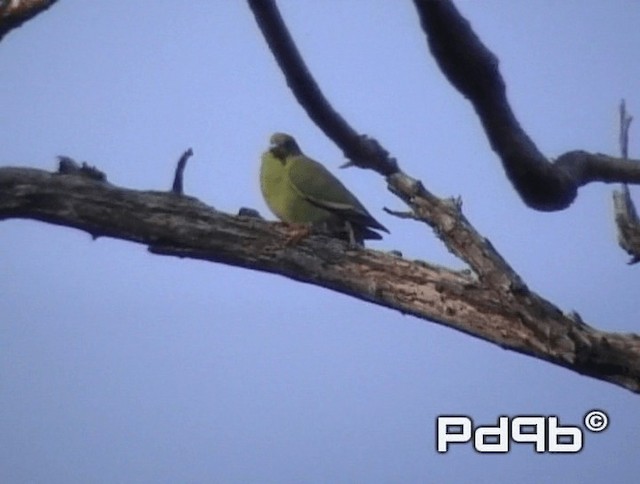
{"type": "Point", "coordinates": [444, 216]}
{"type": "Point", "coordinates": [178, 177]}
{"type": "Point", "coordinates": [473, 69]}
{"type": "Point", "coordinates": [13, 13]}
{"type": "Point", "coordinates": [362, 151]}
{"type": "Point", "coordinates": [492, 303]}
{"type": "Point", "coordinates": [513, 318]}
{"type": "Point", "coordinates": [626, 217]}
{"type": "Point", "coordinates": [627, 223]}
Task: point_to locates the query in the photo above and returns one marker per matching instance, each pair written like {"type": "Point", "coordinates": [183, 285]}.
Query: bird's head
{"type": "Point", "coordinates": [283, 145]}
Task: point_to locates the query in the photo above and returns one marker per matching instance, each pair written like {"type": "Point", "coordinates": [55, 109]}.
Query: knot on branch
{"type": "Point", "coordinates": [68, 166]}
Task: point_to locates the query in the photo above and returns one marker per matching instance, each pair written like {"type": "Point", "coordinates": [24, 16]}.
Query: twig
{"type": "Point", "coordinates": [625, 125]}
{"type": "Point", "coordinates": [404, 214]}
{"type": "Point", "coordinates": [177, 187]}
{"type": "Point", "coordinates": [626, 216]}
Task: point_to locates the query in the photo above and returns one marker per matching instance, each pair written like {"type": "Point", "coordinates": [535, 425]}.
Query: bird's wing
{"type": "Point", "coordinates": [319, 186]}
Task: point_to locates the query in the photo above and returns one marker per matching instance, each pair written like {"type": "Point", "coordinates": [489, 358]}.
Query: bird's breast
{"type": "Point", "coordinates": [287, 203]}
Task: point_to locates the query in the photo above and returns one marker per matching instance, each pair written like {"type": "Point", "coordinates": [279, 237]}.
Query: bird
{"type": "Point", "coordinates": [302, 192]}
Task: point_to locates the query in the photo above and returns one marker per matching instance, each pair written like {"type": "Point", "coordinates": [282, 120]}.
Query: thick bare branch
{"type": "Point", "coordinates": [13, 13]}
{"type": "Point", "coordinates": [473, 69]}
{"type": "Point", "coordinates": [516, 319]}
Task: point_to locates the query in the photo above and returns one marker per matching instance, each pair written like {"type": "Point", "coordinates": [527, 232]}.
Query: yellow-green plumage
{"type": "Point", "coordinates": [299, 190]}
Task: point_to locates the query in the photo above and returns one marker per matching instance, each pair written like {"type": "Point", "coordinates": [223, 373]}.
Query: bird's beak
{"type": "Point", "coordinates": [276, 150]}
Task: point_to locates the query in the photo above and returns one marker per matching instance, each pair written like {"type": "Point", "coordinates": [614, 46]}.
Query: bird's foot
{"type": "Point", "coordinates": [297, 233]}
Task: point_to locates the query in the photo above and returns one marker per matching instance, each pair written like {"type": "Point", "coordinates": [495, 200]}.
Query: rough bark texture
{"type": "Point", "coordinates": [490, 308]}
{"type": "Point", "coordinates": [490, 301]}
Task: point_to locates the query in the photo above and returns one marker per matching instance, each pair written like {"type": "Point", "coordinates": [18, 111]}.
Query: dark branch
{"type": "Point", "coordinates": [513, 318]}
{"type": "Point", "coordinates": [625, 126]}
{"type": "Point", "coordinates": [14, 13]}
{"type": "Point", "coordinates": [363, 151]}
{"type": "Point", "coordinates": [177, 186]}
{"type": "Point", "coordinates": [591, 167]}
{"type": "Point", "coordinates": [473, 69]}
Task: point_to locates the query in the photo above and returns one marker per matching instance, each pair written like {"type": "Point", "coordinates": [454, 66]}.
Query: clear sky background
{"type": "Point", "coordinates": [121, 366]}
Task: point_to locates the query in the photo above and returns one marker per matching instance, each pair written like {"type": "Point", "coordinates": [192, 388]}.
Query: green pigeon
{"type": "Point", "coordinates": [301, 191]}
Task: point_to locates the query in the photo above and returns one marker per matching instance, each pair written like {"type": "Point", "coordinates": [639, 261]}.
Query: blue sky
{"type": "Point", "coordinates": [121, 366]}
